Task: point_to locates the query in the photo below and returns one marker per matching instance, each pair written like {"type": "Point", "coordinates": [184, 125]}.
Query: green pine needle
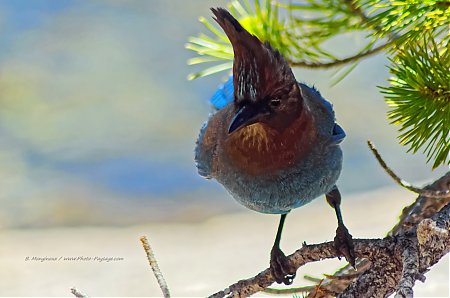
{"type": "Point", "coordinates": [211, 70]}
{"type": "Point", "coordinates": [408, 19]}
{"type": "Point", "coordinates": [264, 22]}
{"type": "Point", "coordinates": [419, 98]}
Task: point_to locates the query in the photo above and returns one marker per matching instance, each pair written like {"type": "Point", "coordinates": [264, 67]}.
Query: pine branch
{"type": "Point", "coordinates": [409, 20]}
{"type": "Point", "coordinates": [423, 208]}
{"type": "Point", "coordinates": [340, 62]}
{"type": "Point", "coordinates": [306, 289]}
{"type": "Point", "coordinates": [385, 280]}
{"type": "Point", "coordinates": [419, 98]}
{"type": "Point", "coordinates": [308, 253]}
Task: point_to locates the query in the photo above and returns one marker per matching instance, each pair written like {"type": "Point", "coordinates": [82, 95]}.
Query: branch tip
{"type": "Point", "coordinates": [77, 293]}
{"type": "Point", "coordinates": [154, 265]}
{"type": "Point", "coordinates": [437, 194]}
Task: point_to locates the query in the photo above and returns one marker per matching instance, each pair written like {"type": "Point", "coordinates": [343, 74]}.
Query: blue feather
{"type": "Point", "coordinates": [338, 134]}
{"type": "Point", "coordinates": [224, 94]}
{"type": "Point", "coordinates": [327, 104]}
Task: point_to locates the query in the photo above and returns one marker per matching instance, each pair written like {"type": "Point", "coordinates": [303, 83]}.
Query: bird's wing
{"type": "Point", "coordinates": [204, 151]}
{"type": "Point", "coordinates": [338, 134]}
{"type": "Point", "coordinates": [224, 95]}
{"type": "Point", "coordinates": [324, 114]}
{"type": "Point", "coordinates": [206, 142]}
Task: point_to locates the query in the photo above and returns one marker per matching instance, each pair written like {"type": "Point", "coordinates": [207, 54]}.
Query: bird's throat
{"type": "Point", "coordinates": [257, 137]}
{"type": "Point", "coordinates": [258, 149]}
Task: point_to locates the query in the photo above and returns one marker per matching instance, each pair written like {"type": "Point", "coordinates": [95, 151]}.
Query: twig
{"type": "Point", "coordinates": [340, 62]}
{"type": "Point", "coordinates": [312, 278]}
{"type": "Point", "coordinates": [370, 52]}
{"type": "Point", "coordinates": [321, 290]}
{"type": "Point", "coordinates": [423, 192]}
{"type": "Point", "coordinates": [289, 290]}
{"type": "Point", "coordinates": [352, 4]}
{"type": "Point", "coordinates": [357, 10]}
{"type": "Point", "coordinates": [77, 293]}
{"type": "Point", "coordinates": [152, 261]}
{"type": "Point", "coordinates": [350, 276]}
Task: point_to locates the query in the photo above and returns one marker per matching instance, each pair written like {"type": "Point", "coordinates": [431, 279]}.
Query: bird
{"type": "Point", "coordinates": [272, 142]}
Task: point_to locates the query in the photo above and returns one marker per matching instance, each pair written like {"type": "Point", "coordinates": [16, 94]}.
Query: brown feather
{"type": "Point", "coordinates": [258, 70]}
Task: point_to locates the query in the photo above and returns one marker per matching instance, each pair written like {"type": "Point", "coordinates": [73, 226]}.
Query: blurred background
{"type": "Point", "coordinates": [98, 124]}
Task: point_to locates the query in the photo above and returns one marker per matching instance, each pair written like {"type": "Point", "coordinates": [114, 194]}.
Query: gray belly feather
{"type": "Point", "coordinates": [281, 192]}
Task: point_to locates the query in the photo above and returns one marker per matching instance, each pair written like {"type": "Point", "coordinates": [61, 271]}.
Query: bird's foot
{"type": "Point", "coordinates": [280, 266]}
{"type": "Point", "coordinates": [343, 243]}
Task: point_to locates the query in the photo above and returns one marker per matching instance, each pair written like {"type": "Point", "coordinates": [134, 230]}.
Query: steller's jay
{"type": "Point", "coordinates": [273, 142]}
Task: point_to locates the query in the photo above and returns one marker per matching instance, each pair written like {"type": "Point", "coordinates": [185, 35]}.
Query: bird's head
{"type": "Point", "coordinates": [265, 89]}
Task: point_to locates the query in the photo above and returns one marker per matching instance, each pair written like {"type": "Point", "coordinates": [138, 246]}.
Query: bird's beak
{"type": "Point", "coordinates": [246, 115]}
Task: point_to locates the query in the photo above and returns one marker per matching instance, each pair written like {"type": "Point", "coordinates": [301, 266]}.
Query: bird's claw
{"type": "Point", "coordinates": [343, 243]}
{"type": "Point", "coordinates": [281, 268]}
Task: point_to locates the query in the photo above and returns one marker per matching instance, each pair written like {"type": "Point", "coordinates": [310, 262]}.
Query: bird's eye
{"type": "Point", "coordinates": [275, 102]}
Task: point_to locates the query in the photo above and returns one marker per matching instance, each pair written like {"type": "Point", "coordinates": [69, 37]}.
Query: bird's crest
{"type": "Point", "coordinates": [258, 69]}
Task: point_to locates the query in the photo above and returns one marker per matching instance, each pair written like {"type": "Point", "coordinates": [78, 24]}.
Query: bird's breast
{"type": "Point", "coordinates": [258, 149]}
